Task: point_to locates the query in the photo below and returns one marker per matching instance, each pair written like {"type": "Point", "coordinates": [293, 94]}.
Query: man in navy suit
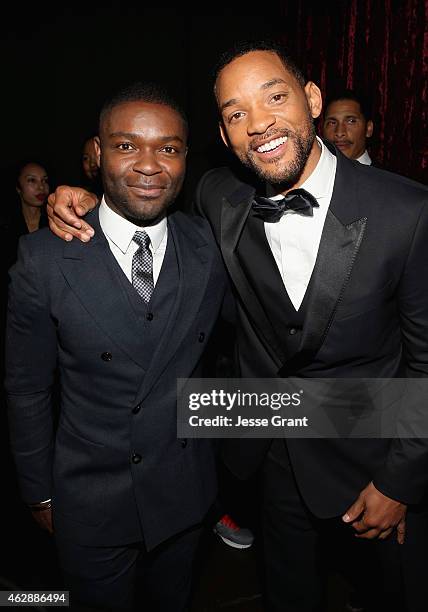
{"type": "Point", "coordinates": [121, 318]}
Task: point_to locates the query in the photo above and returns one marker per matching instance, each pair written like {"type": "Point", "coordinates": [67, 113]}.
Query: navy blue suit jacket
{"type": "Point", "coordinates": [67, 311]}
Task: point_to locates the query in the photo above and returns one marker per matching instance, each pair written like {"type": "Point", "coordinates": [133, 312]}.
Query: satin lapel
{"type": "Point", "coordinates": [235, 211]}
{"type": "Point", "coordinates": [194, 257]}
{"type": "Point", "coordinates": [91, 272]}
{"type": "Point", "coordinates": [340, 242]}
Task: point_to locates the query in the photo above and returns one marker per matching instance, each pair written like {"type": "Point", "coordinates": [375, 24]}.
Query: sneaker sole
{"type": "Point", "coordinates": [233, 544]}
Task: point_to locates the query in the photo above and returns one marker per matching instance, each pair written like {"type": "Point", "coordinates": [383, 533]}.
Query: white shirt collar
{"type": "Point", "coordinates": [365, 159]}
{"type": "Point", "coordinates": [121, 231]}
{"type": "Point", "coordinates": [319, 183]}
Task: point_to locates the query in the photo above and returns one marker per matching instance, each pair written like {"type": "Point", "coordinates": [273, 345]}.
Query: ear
{"type": "Point", "coordinates": [369, 128]}
{"type": "Point", "coordinates": [97, 149]}
{"type": "Point", "coordinates": [223, 134]}
{"type": "Point", "coordinates": [314, 98]}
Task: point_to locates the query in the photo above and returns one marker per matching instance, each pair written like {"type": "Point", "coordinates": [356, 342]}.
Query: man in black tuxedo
{"type": "Point", "coordinates": [330, 283]}
{"type": "Point", "coordinates": [122, 319]}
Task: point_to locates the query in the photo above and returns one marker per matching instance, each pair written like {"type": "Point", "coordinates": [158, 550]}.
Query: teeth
{"type": "Point", "coordinates": [273, 144]}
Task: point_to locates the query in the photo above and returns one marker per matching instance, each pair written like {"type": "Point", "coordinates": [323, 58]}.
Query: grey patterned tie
{"type": "Point", "coordinates": [142, 266]}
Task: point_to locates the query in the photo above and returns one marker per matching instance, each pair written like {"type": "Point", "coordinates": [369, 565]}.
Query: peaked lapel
{"type": "Point", "coordinates": [341, 239]}
{"type": "Point", "coordinates": [235, 210]}
{"type": "Point", "coordinates": [195, 260]}
{"type": "Point", "coordinates": [91, 271]}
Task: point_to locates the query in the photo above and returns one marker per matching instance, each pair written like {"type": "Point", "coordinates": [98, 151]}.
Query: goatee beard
{"type": "Point", "coordinates": [302, 142]}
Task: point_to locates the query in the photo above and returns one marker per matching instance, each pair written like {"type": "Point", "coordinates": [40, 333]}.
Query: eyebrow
{"type": "Point", "coordinates": [267, 85]}
{"type": "Point", "coordinates": [350, 116]}
{"type": "Point", "coordinates": [131, 135]}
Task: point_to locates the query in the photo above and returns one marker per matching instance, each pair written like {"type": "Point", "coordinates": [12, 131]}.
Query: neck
{"type": "Point", "coordinates": [31, 216]}
{"type": "Point", "coordinates": [311, 164]}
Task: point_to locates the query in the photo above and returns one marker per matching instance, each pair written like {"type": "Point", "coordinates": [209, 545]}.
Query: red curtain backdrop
{"type": "Point", "coordinates": [380, 49]}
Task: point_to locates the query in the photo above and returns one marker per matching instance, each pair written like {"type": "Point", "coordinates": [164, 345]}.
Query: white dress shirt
{"type": "Point", "coordinates": [295, 238]}
{"type": "Point", "coordinates": [119, 233]}
{"type": "Point", "coordinates": [365, 159]}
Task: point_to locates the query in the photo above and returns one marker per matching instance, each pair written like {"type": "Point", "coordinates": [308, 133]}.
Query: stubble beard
{"type": "Point", "coordinates": [286, 177]}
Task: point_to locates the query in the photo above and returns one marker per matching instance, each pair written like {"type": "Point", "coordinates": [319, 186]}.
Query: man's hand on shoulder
{"type": "Point", "coordinates": [66, 207]}
{"type": "Point", "coordinates": [374, 515]}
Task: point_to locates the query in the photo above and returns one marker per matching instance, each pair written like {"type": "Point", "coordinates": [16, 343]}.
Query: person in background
{"type": "Point", "coordinates": [348, 124]}
{"type": "Point", "coordinates": [91, 171]}
{"type": "Point", "coordinates": [26, 213]}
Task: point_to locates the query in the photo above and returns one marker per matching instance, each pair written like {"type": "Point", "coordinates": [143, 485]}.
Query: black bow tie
{"type": "Point", "coordinates": [299, 200]}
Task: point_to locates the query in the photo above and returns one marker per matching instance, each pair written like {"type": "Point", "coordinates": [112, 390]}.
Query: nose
{"type": "Point", "coordinates": [340, 129]}
{"type": "Point", "coordinates": [147, 164]}
{"type": "Point", "coordinates": [260, 121]}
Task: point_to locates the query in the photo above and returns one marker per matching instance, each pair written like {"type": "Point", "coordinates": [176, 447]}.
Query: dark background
{"type": "Point", "coordinates": [60, 63]}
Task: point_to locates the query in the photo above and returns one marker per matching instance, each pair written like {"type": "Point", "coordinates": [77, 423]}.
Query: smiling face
{"type": "Point", "coordinates": [33, 185]}
{"type": "Point", "coordinates": [346, 127]}
{"type": "Point", "coordinates": [142, 152]}
{"type": "Point", "coordinates": [267, 118]}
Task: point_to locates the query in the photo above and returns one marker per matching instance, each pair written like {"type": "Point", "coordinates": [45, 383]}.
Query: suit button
{"type": "Point", "coordinates": [201, 337]}
{"type": "Point", "coordinates": [136, 458]}
{"type": "Point", "coordinates": [292, 331]}
{"type": "Point", "coordinates": [106, 356]}
{"type": "Point", "coordinates": [149, 316]}
{"type": "Point", "coordinates": [183, 443]}
{"type": "Point", "coordinates": [136, 409]}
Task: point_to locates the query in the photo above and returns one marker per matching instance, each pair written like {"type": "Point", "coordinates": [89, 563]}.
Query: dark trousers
{"type": "Point", "coordinates": [390, 577]}
{"type": "Point", "coordinates": [128, 577]}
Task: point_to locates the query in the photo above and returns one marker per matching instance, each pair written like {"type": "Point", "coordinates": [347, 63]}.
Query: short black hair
{"type": "Point", "coordinates": [350, 94]}
{"type": "Point", "coordinates": [247, 46]}
{"type": "Point", "coordinates": [144, 91]}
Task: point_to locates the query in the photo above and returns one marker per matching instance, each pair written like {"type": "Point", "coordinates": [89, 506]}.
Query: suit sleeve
{"type": "Point", "coordinates": [405, 473]}
{"type": "Point", "coordinates": [31, 352]}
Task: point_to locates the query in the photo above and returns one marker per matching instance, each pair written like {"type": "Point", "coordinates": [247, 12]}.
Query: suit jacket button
{"type": "Point", "coordinates": [106, 356]}
{"type": "Point", "coordinates": [136, 409]}
{"type": "Point", "coordinates": [292, 331]}
{"type": "Point", "coordinates": [183, 443]}
{"type": "Point", "coordinates": [201, 337]}
{"type": "Point", "coordinates": [136, 458]}
{"type": "Point", "coordinates": [149, 316]}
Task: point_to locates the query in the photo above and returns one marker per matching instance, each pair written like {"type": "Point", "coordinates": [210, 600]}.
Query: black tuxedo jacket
{"type": "Point", "coordinates": [366, 316]}
{"type": "Point", "coordinates": [115, 470]}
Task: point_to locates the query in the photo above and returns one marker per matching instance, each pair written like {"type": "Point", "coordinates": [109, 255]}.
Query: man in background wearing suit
{"type": "Point", "coordinates": [347, 125]}
{"type": "Point", "coordinates": [330, 283]}
{"type": "Point", "coordinates": [122, 319]}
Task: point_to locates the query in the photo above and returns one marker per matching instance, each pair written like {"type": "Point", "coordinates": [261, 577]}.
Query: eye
{"type": "Point", "coordinates": [169, 149]}
{"type": "Point", "coordinates": [235, 116]}
{"type": "Point", "coordinates": [125, 146]}
{"type": "Point", "coordinates": [352, 120]}
{"type": "Point", "coordinates": [279, 97]}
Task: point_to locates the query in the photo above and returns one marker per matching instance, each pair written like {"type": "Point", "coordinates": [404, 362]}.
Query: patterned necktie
{"type": "Point", "coordinates": [142, 267]}
{"type": "Point", "coordinates": [298, 200]}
